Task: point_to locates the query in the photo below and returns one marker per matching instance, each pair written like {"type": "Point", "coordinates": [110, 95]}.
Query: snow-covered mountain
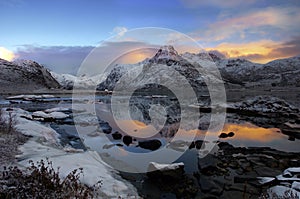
{"type": "Point", "coordinates": [67, 80]}
{"type": "Point", "coordinates": [25, 75]}
{"type": "Point", "coordinates": [198, 69]}
{"type": "Point", "coordinates": [166, 66]}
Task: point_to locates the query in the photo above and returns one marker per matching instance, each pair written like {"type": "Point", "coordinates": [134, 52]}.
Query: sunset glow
{"type": "Point", "coordinates": [6, 54]}
{"type": "Point", "coordinates": [259, 52]}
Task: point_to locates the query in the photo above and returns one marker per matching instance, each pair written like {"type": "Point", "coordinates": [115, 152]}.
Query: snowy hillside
{"type": "Point", "coordinates": [283, 72]}
{"type": "Point", "coordinates": [25, 75]}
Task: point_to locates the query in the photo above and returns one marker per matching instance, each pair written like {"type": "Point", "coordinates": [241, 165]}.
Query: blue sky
{"type": "Point", "coordinates": [259, 30]}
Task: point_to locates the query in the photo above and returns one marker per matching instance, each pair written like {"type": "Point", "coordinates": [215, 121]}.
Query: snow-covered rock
{"type": "Point", "coordinates": [29, 97]}
{"type": "Point", "coordinates": [94, 169]}
{"type": "Point", "coordinates": [265, 180]}
{"type": "Point", "coordinates": [265, 104]}
{"type": "Point", "coordinates": [158, 171]}
{"type": "Point", "coordinates": [44, 143]}
{"type": "Point", "coordinates": [57, 109]}
{"type": "Point", "coordinates": [153, 166]}
{"type": "Point", "coordinates": [30, 128]}
{"type": "Point", "coordinates": [287, 184]}
{"type": "Point", "coordinates": [52, 115]}
{"type": "Point", "coordinates": [282, 192]}
{"type": "Point", "coordinates": [296, 186]}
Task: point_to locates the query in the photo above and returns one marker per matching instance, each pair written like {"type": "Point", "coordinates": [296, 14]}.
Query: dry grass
{"type": "Point", "coordinates": [41, 180]}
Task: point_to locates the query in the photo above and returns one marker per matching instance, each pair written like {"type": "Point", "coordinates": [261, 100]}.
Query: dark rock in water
{"type": "Point", "coordinates": [150, 144]}
{"type": "Point", "coordinates": [117, 135]}
{"type": "Point", "coordinates": [127, 140]}
{"type": "Point", "coordinates": [199, 144]}
{"type": "Point", "coordinates": [225, 146]}
{"type": "Point", "coordinates": [106, 128]}
{"type": "Point", "coordinates": [230, 134]}
{"type": "Point", "coordinates": [226, 135]}
{"type": "Point", "coordinates": [223, 135]}
{"type": "Point", "coordinates": [192, 145]}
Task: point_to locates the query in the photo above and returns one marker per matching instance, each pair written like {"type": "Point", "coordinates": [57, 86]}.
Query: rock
{"type": "Point", "coordinates": [199, 144]}
{"type": "Point", "coordinates": [40, 114]}
{"type": "Point", "coordinates": [296, 186]}
{"type": "Point", "coordinates": [150, 144]}
{"type": "Point", "coordinates": [168, 196]}
{"type": "Point", "coordinates": [230, 134]}
{"type": "Point", "coordinates": [208, 161]}
{"type": "Point", "coordinates": [106, 128]}
{"type": "Point", "coordinates": [273, 106]}
{"type": "Point", "coordinates": [287, 174]}
{"type": "Point", "coordinates": [116, 136]}
{"type": "Point", "coordinates": [223, 135]}
{"type": "Point", "coordinates": [127, 140]}
{"type": "Point", "coordinates": [58, 115]}
{"type": "Point", "coordinates": [57, 109]}
{"type": "Point", "coordinates": [158, 171]}
{"type": "Point", "coordinates": [207, 185]}
{"type": "Point", "coordinates": [281, 191]}
{"type": "Point", "coordinates": [192, 145]}
{"type": "Point", "coordinates": [226, 135]}
{"type": "Point", "coordinates": [233, 194]}
{"type": "Point", "coordinates": [266, 171]}
{"type": "Point", "coordinates": [49, 116]}
{"type": "Point", "coordinates": [265, 180]}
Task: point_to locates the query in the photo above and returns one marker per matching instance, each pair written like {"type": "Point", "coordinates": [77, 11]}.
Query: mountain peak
{"type": "Point", "coordinates": [166, 53]}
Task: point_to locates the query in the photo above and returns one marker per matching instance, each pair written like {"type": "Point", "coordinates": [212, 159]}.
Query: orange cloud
{"type": "Point", "coordinates": [6, 54]}
{"type": "Point", "coordinates": [261, 51]}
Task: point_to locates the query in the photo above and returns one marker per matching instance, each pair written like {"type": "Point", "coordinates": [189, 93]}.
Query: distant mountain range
{"type": "Point", "coordinates": [234, 72]}
{"type": "Point", "coordinates": [26, 74]}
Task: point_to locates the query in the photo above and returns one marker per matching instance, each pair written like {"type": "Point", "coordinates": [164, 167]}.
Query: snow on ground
{"type": "Point", "coordinates": [45, 144]}
{"type": "Point", "coordinates": [283, 191]}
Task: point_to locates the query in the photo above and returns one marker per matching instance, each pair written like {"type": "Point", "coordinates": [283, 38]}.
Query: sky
{"type": "Point", "coordinates": [60, 33]}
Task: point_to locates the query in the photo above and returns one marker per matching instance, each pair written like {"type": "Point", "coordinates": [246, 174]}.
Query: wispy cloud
{"type": "Point", "coordinates": [217, 3]}
{"type": "Point", "coordinates": [119, 30]}
{"type": "Point", "coordinates": [258, 21]}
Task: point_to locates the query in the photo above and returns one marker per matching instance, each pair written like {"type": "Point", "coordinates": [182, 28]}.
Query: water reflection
{"type": "Point", "coordinates": [250, 135]}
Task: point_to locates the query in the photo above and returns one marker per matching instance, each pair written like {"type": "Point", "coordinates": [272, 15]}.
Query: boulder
{"type": "Point", "coordinates": [157, 171]}
{"type": "Point", "coordinates": [150, 144]}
